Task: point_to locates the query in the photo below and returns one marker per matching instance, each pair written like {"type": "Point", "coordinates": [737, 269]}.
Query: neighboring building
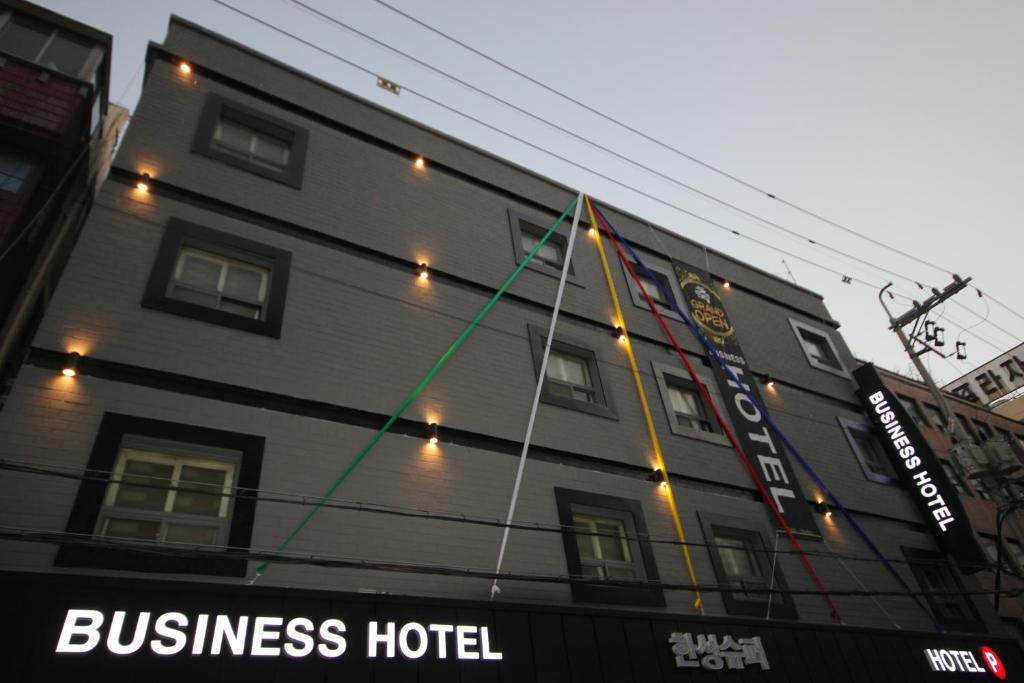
{"type": "Point", "coordinates": [56, 139]}
{"type": "Point", "coordinates": [1012, 407]}
{"type": "Point", "coordinates": [987, 476]}
{"type": "Point", "coordinates": [245, 325]}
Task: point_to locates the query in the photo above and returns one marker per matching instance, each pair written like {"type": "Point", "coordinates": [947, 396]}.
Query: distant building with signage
{"type": "Point", "coordinates": [57, 131]}
{"type": "Point", "coordinates": [271, 422]}
{"type": "Point", "coordinates": [987, 473]}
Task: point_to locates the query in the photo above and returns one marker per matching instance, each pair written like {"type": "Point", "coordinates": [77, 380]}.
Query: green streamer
{"type": "Point", "coordinates": [416, 392]}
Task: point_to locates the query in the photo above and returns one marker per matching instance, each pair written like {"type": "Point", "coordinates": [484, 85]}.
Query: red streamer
{"type": "Point", "coordinates": [721, 422]}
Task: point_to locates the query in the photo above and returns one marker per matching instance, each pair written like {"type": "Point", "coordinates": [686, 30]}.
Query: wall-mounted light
{"type": "Point", "coordinates": [432, 434]}
{"type": "Point", "coordinates": [184, 67]}
{"type": "Point", "coordinates": [423, 271]}
{"type": "Point", "coordinates": [142, 184]}
{"type": "Point", "coordinates": [70, 368]}
{"type": "Point", "coordinates": [726, 284]}
{"type": "Point", "coordinates": [619, 334]}
{"type": "Point", "coordinates": [658, 476]}
{"type": "Point", "coordinates": [769, 382]}
{"type": "Point", "coordinates": [419, 163]}
{"type": "Point", "coordinates": [823, 507]}
{"type": "Point", "coordinates": [592, 231]}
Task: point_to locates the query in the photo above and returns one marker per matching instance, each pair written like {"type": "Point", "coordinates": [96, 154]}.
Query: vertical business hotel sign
{"type": "Point", "coordinates": [766, 453]}
{"type": "Point", "coordinates": [920, 471]}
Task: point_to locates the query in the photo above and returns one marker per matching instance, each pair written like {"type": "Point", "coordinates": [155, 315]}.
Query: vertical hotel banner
{"type": "Point", "coordinates": [920, 470]}
{"type": "Point", "coordinates": [766, 453]}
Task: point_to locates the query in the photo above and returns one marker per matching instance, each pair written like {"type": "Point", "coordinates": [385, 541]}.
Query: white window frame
{"type": "Point", "coordinates": [851, 425]}
{"type": "Point", "coordinates": [177, 455]}
{"type": "Point", "coordinates": [225, 263]}
{"type": "Point", "coordinates": [89, 64]}
{"type": "Point", "coordinates": [638, 298]}
{"type": "Point", "coordinates": [799, 328]}
{"type": "Point", "coordinates": [665, 375]}
{"type": "Point", "coordinates": [627, 540]}
{"type": "Point", "coordinates": [254, 135]}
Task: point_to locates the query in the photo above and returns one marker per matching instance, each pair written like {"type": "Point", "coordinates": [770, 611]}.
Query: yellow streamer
{"type": "Point", "coordinates": [698, 603]}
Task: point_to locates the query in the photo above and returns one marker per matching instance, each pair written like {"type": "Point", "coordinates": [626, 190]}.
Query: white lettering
{"type": "Point", "coordinates": [162, 631]}
{"type": "Point", "coordinates": [421, 637]}
{"type": "Point", "coordinates": [933, 655]}
{"type": "Point", "coordinates": [373, 638]}
{"type": "Point", "coordinates": [261, 635]}
{"type": "Point", "coordinates": [114, 635]}
{"type": "Point", "coordinates": [764, 438]}
{"type": "Point", "coordinates": [202, 621]}
{"type": "Point", "coordinates": [778, 493]}
{"type": "Point", "coordinates": [331, 631]}
{"type": "Point", "coordinates": [772, 468]}
{"type": "Point", "coordinates": [485, 645]}
{"type": "Point", "coordinates": [297, 631]}
{"type": "Point", "coordinates": [224, 630]}
{"type": "Point", "coordinates": [465, 638]}
{"type": "Point", "coordinates": [742, 402]}
{"type": "Point", "coordinates": [442, 631]}
{"type": "Point", "coordinates": [948, 663]}
{"type": "Point", "coordinates": [72, 628]}
{"type": "Point", "coordinates": [875, 398]}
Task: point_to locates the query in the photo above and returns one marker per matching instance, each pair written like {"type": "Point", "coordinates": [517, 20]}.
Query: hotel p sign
{"type": "Point", "coordinates": [964, 661]}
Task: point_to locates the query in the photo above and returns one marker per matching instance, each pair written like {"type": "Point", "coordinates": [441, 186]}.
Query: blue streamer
{"type": "Point", "coordinates": [771, 422]}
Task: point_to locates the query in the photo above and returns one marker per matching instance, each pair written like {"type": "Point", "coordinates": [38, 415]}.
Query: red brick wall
{"type": "Point", "coordinates": [49, 105]}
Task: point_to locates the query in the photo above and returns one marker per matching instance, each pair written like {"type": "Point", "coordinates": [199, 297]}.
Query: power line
{"type": "Point", "coordinates": [666, 146]}
{"type": "Point", "coordinates": [306, 500]}
{"type": "Point", "coordinates": [221, 553]}
{"type": "Point", "coordinates": [587, 141]}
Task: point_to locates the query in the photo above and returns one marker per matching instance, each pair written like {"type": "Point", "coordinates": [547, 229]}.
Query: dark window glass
{"type": "Point", "coordinates": [15, 169]}
{"type": "Point", "coordinates": [25, 37]}
{"type": "Point", "coordinates": [66, 53]}
{"type": "Point", "coordinates": [935, 416]}
{"type": "Point", "coordinates": [818, 349]}
{"type": "Point", "coordinates": [984, 431]}
{"type": "Point", "coordinates": [911, 407]}
{"type": "Point", "coordinates": [943, 591]}
{"type": "Point", "coordinates": [873, 453]}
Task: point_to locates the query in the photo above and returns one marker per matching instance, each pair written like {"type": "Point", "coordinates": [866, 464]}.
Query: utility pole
{"type": "Point", "coordinates": [914, 316]}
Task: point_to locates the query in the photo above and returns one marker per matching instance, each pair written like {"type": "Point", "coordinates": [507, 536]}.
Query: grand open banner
{"type": "Point", "coordinates": [81, 628]}
{"type": "Point", "coordinates": [765, 451]}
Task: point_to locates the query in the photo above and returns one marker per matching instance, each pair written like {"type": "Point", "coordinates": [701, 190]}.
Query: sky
{"type": "Point", "coordinates": [901, 122]}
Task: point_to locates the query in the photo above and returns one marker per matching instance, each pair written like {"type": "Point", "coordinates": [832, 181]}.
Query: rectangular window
{"type": "Point", "coordinates": [252, 140]}
{"type": "Point", "coordinates": [688, 407]}
{"type": "Point", "coordinates": [219, 282]}
{"type": "Point", "coordinates": [984, 431]}
{"type": "Point", "coordinates": [910, 405]}
{"type": "Point", "coordinates": [953, 478]}
{"type": "Point", "coordinates": [52, 48]}
{"type": "Point", "coordinates": [166, 483]}
{"type": "Point", "coordinates": [688, 413]}
{"type": "Point", "coordinates": [818, 348]}
{"type": "Point", "coordinates": [935, 415]}
{"type": "Point", "coordinates": [663, 289]}
{"type": "Point", "coordinates": [163, 492]}
{"type": "Point", "coordinates": [869, 451]}
{"type": "Point", "coordinates": [251, 144]}
{"type": "Point", "coordinates": [550, 258]}
{"type": "Point", "coordinates": [943, 591]}
{"type": "Point", "coordinates": [742, 561]}
{"type": "Point", "coordinates": [15, 170]}
{"type": "Point", "coordinates": [219, 278]}
{"type": "Point", "coordinates": [965, 425]}
{"type": "Point", "coordinates": [572, 379]}
{"type": "Point", "coordinates": [605, 539]}
{"type": "Point", "coordinates": [551, 253]}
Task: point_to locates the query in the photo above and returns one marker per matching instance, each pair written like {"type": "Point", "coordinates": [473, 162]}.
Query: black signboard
{"type": "Point", "coordinates": [920, 471]}
{"type": "Point", "coordinates": [110, 629]}
{"type": "Point", "coordinates": [766, 453]}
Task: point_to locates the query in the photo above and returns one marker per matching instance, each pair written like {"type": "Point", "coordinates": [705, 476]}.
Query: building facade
{"type": "Point", "coordinates": [986, 475]}
{"type": "Point", "coordinates": [272, 266]}
{"type": "Point", "coordinates": [57, 132]}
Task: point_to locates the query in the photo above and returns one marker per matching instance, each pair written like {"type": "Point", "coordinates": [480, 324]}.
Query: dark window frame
{"type": "Point", "coordinates": [603, 405]}
{"type": "Point", "coordinates": [296, 136]}
{"type": "Point", "coordinates": [666, 376]}
{"type": "Point", "coordinates": [848, 426]}
{"type": "Point", "coordinates": [88, 504]}
{"type": "Point", "coordinates": [736, 603]}
{"type": "Point", "coordinates": [800, 329]}
{"type": "Point", "coordinates": [638, 298]}
{"type": "Point", "coordinates": [643, 553]}
{"type": "Point", "coordinates": [181, 234]}
{"type": "Point", "coordinates": [913, 409]}
{"type": "Point", "coordinates": [560, 237]}
{"type": "Point", "coordinates": [916, 559]}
